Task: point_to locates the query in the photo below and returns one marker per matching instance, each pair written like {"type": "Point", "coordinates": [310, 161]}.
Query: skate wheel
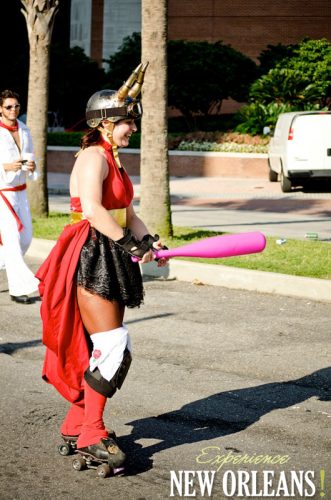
{"type": "Point", "coordinates": [119, 471]}
{"type": "Point", "coordinates": [64, 449]}
{"type": "Point", "coordinates": [79, 463]}
{"type": "Point", "coordinates": [103, 471]}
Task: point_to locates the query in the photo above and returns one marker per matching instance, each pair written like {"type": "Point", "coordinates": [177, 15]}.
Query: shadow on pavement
{"type": "Point", "coordinates": [318, 207]}
{"type": "Point", "coordinates": [11, 347]}
{"type": "Point", "coordinates": [218, 415]}
{"type": "Point", "coordinates": [154, 316]}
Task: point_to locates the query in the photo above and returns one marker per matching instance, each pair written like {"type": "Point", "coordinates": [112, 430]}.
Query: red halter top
{"type": "Point", "coordinates": [117, 189]}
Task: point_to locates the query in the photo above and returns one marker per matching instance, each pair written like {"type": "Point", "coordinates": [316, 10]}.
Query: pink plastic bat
{"type": "Point", "coordinates": [228, 245]}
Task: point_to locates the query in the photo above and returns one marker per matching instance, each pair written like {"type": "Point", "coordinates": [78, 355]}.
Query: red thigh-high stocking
{"type": "Point", "coordinates": [93, 428]}
{"type": "Point", "coordinates": [73, 421]}
{"type": "Point", "coordinates": [98, 315]}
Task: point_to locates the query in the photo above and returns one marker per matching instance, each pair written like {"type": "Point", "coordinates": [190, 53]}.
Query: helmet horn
{"type": "Point", "coordinates": [123, 91]}
{"type": "Point", "coordinates": [134, 91]}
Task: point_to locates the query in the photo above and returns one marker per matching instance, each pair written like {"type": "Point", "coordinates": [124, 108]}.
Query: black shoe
{"type": "Point", "coordinates": [21, 299]}
{"type": "Point", "coordinates": [107, 450]}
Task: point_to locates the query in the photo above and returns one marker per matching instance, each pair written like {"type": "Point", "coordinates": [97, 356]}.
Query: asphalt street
{"type": "Point", "coordinates": [228, 382]}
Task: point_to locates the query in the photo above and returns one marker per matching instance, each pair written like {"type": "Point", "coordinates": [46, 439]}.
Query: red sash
{"type": "Point", "coordinates": [67, 354]}
{"type": "Point", "coordinates": [9, 205]}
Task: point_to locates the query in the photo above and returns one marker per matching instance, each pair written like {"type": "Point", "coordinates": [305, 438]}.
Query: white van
{"type": "Point", "coordinates": [300, 148]}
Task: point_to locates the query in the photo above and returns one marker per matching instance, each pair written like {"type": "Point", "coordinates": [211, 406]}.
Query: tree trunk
{"type": "Point", "coordinates": [39, 16]}
{"type": "Point", "coordinates": [154, 171]}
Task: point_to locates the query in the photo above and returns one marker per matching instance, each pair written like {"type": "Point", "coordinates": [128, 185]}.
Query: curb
{"type": "Point", "coordinates": [244, 279]}
{"type": "Point", "coordinates": [228, 277]}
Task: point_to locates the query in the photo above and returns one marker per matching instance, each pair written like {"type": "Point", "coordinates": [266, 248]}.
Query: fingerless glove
{"type": "Point", "coordinates": [131, 245]}
{"type": "Point", "coordinates": [149, 239]}
{"type": "Point", "coordinates": [152, 239]}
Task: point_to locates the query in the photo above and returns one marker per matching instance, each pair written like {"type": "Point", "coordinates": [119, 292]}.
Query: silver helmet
{"type": "Point", "coordinates": [115, 105]}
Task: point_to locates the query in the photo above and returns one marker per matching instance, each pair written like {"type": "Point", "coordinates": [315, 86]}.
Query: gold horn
{"type": "Point", "coordinates": [134, 91]}
{"type": "Point", "coordinates": [123, 91]}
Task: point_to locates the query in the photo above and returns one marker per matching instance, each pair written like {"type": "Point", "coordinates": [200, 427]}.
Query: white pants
{"type": "Point", "coordinates": [21, 280]}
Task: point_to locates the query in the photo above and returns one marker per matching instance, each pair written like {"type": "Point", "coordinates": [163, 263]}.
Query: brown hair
{"type": "Point", "coordinates": [8, 94]}
{"type": "Point", "coordinates": [91, 138]}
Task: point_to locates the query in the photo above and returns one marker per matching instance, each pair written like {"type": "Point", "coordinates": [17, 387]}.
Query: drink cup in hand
{"type": "Point", "coordinates": [27, 157]}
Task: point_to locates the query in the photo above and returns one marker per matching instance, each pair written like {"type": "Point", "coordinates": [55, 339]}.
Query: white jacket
{"type": "Point", "coordinates": [9, 152]}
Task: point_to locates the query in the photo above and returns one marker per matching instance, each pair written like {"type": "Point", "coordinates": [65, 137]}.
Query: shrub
{"type": "Point", "coordinates": [64, 138]}
{"type": "Point", "coordinates": [288, 86]}
{"type": "Point", "coordinates": [226, 147]}
{"type": "Point", "coordinates": [313, 59]}
{"type": "Point", "coordinates": [303, 76]}
{"type": "Point", "coordinates": [255, 116]}
{"type": "Point", "coordinates": [73, 139]}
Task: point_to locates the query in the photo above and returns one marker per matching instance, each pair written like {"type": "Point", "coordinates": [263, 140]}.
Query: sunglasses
{"type": "Point", "coordinates": [15, 106]}
{"type": "Point", "coordinates": [135, 110]}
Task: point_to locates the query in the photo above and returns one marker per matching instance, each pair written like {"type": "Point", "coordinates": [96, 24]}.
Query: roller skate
{"type": "Point", "coordinates": [105, 456]}
{"type": "Point", "coordinates": [69, 446]}
{"type": "Point", "coordinates": [70, 443]}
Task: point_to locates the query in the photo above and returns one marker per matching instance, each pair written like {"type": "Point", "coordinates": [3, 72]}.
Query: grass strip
{"type": "Point", "coordinates": [295, 257]}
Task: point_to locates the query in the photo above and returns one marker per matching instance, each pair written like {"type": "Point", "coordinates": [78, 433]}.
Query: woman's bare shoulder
{"type": "Point", "coordinates": [91, 155]}
{"type": "Point", "coordinates": [91, 151]}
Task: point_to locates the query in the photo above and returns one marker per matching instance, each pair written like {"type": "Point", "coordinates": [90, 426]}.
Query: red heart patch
{"type": "Point", "coordinates": [96, 354]}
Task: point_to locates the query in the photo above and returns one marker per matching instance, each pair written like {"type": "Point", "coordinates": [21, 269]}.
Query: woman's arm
{"type": "Point", "coordinates": [90, 170]}
{"type": "Point", "coordinates": [134, 223]}
{"type": "Point", "coordinates": [137, 226]}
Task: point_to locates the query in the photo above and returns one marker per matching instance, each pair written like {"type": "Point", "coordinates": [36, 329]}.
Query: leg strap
{"type": "Point", "coordinates": [108, 350]}
{"type": "Point", "coordinates": [108, 388]}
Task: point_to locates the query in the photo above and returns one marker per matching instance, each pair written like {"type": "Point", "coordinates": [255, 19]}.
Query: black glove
{"type": "Point", "coordinates": [152, 239]}
{"type": "Point", "coordinates": [149, 239]}
{"type": "Point", "coordinates": [130, 244]}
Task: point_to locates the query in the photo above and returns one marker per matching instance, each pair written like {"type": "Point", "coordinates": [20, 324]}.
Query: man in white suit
{"type": "Point", "coordinates": [16, 163]}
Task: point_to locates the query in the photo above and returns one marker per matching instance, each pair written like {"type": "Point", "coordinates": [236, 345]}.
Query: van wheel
{"type": "Point", "coordinates": [285, 183]}
{"type": "Point", "coordinates": [273, 176]}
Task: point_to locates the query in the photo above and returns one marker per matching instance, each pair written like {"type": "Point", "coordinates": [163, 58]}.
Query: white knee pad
{"type": "Point", "coordinates": [108, 351]}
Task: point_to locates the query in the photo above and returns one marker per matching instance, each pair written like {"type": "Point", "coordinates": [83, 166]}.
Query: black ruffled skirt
{"type": "Point", "coordinates": [107, 270]}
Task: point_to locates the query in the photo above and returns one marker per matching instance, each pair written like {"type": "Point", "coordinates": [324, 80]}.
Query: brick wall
{"type": "Point", "coordinates": [249, 25]}
{"type": "Point", "coordinates": [180, 164]}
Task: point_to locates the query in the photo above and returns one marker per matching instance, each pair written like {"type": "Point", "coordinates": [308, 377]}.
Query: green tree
{"type": "Point", "coordinates": [272, 55]}
{"type": "Point", "coordinates": [200, 74]}
{"type": "Point", "coordinates": [127, 56]}
{"type": "Point", "coordinates": [74, 77]}
{"type": "Point", "coordinates": [203, 74]}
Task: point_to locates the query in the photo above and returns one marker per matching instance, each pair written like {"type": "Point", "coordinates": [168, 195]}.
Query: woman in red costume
{"type": "Point", "coordinates": [89, 277]}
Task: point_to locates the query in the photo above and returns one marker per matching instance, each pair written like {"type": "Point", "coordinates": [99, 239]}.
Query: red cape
{"type": "Point", "coordinates": [67, 354]}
